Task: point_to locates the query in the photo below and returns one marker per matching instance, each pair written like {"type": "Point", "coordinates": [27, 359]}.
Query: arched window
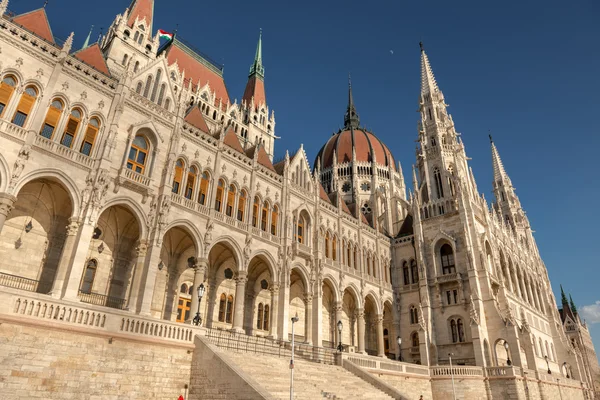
{"type": "Point", "coordinates": [25, 105]}
{"type": "Point", "coordinates": [138, 88]}
{"type": "Point", "coordinates": [368, 259]}
{"type": "Point", "coordinates": [7, 88]}
{"type": "Point", "coordinates": [414, 271]}
{"type": "Point", "coordinates": [406, 273]}
{"type": "Point", "coordinates": [274, 220]}
{"type": "Point", "coordinates": [161, 94]}
{"type": "Point", "coordinates": [148, 86]}
{"type": "Point", "coordinates": [263, 216]}
{"type": "Point", "coordinates": [541, 347]}
{"type": "Point", "coordinates": [156, 83]}
{"type": "Point", "coordinates": [136, 36]}
{"type": "Point", "coordinates": [229, 311]}
{"type": "Point", "coordinates": [52, 118]}
{"type": "Point", "coordinates": [178, 177]}
{"type": "Point", "coordinates": [461, 330]}
{"type": "Point", "coordinates": [167, 104]}
{"type": "Point", "coordinates": [548, 350]}
{"type": "Point", "coordinates": [184, 288]}
{"type": "Point", "coordinates": [90, 136]}
{"type": "Point", "coordinates": [447, 256]}
{"type": "Point", "coordinates": [190, 183]}
{"type": "Point", "coordinates": [259, 316]}
{"type": "Point", "coordinates": [414, 315]}
{"type": "Point", "coordinates": [241, 205]}
{"type": "Point", "coordinates": [71, 129]}
{"type": "Point", "coordinates": [348, 254]}
{"type": "Point", "coordinates": [125, 58]}
{"type": "Point", "coordinates": [414, 339]}
{"type": "Point", "coordinates": [204, 181]}
{"type": "Point", "coordinates": [138, 155]}
{"type": "Point", "coordinates": [222, 307]}
{"type": "Point", "coordinates": [89, 274]}
{"type": "Point", "coordinates": [219, 197]}
{"type": "Point", "coordinates": [255, 210]}
{"type": "Point", "coordinates": [230, 201]}
{"type": "Point", "coordinates": [327, 240]}
{"type": "Point", "coordinates": [141, 39]}
{"type": "Point", "coordinates": [136, 67]}
{"type": "Point", "coordinates": [300, 229]}
{"type": "Point", "coordinates": [454, 331]}
{"type": "Point", "coordinates": [266, 318]}
{"type": "Point", "coordinates": [355, 258]}
{"type": "Point", "coordinates": [334, 248]}
{"type": "Point", "coordinates": [438, 183]}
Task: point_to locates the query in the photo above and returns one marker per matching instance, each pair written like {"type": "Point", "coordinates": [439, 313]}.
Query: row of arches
{"type": "Point", "coordinates": [155, 90]}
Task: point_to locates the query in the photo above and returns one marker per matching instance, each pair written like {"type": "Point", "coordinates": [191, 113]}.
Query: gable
{"type": "Point", "coordinates": [142, 9]}
{"type": "Point", "coordinates": [263, 159]}
{"type": "Point", "coordinates": [36, 22]}
{"type": "Point", "coordinates": [232, 141]}
{"type": "Point", "coordinates": [194, 117]}
{"type": "Point", "coordinates": [92, 56]}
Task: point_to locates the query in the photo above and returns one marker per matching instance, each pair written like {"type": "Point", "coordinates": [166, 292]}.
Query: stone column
{"type": "Point", "coordinates": [360, 323]}
{"type": "Point", "coordinates": [274, 317]}
{"type": "Point", "coordinates": [284, 309]}
{"type": "Point", "coordinates": [380, 344]}
{"type": "Point", "coordinates": [76, 263]}
{"type": "Point", "coordinates": [6, 205]}
{"type": "Point", "coordinates": [147, 280]}
{"type": "Point", "coordinates": [308, 297]}
{"type": "Point", "coordinates": [199, 271]}
{"type": "Point", "coordinates": [338, 317]}
{"type": "Point", "coordinates": [240, 298]}
{"type": "Point", "coordinates": [135, 284]}
{"type": "Point", "coordinates": [65, 258]}
{"type": "Point", "coordinates": [317, 318]}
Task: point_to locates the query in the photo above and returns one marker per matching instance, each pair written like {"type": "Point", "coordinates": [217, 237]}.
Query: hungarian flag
{"type": "Point", "coordinates": [180, 397]}
{"type": "Point", "coordinates": [165, 35]}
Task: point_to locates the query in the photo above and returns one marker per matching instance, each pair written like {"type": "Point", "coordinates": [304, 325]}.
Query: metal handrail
{"type": "Point", "coordinates": [101, 300]}
{"type": "Point", "coordinates": [18, 282]}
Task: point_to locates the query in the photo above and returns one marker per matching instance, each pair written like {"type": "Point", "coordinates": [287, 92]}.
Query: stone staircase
{"type": "Point", "coordinates": [312, 381]}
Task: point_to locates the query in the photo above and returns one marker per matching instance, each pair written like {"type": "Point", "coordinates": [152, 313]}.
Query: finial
{"type": "Point", "coordinates": [490, 136]}
{"type": "Point", "coordinates": [421, 46]}
{"type": "Point", "coordinates": [87, 39]}
{"type": "Point", "coordinates": [68, 44]}
{"type": "Point", "coordinates": [45, 4]}
{"type": "Point", "coordinates": [3, 7]}
{"type": "Point", "coordinates": [176, 29]}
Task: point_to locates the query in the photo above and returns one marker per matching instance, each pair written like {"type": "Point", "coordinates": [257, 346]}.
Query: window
{"type": "Point", "coordinates": [414, 339]}
{"type": "Point", "coordinates": [260, 316]}
{"type": "Point", "coordinates": [204, 181]}
{"type": "Point", "coordinates": [348, 254]}
{"type": "Point", "coordinates": [135, 69]}
{"type": "Point", "coordinates": [230, 201]}
{"type": "Point", "coordinates": [414, 271]}
{"type": "Point", "coordinates": [274, 218]}
{"type": "Point", "coordinates": [148, 86]}
{"type": "Point", "coordinates": [183, 309]}
{"type": "Point", "coordinates": [461, 330]}
{"type": "Point", "coordinates": [300, 230]}
{"type": "Point", "coordinates": [25, 105]}
{"type": "Point", "coordinates": [355, 258]}
{"type": "Point", "coordinates": [52, 117]}
{"type": "Point", "coordinates": [178, 176]}
{"type": "Point", "coordinates": [184, 288]}
{"type": "Point", "coordinates": [138, 154]}
{"type": "Point", "coordinates": [263, 216]}
{"type": "Point", "coordinates": [406, 273]}
{"type": "Point", "coordinates": [447, 259]}
{"type": "Point", "coordinates": [219, 198]}
{"type": "Point", "coordinates": [327, 253]}
{"type": "Point", "coordinates": [241, 205]}
{"type": "Point", "coordinates": [438, 183]}
{"type": "Point", "coordinates": [457, 330]}
{"type": "Point", "coordinates": [71, 128]}
{"type": "Point", "coordinates": [414, 315]}
{"type": "Point", "coordinates": [138, 88]}
{"type": "Point", "coordinates": [229, 310]}
{"type": "Point", "coordinates": [7, 87]}
{"type": "Point", "coordinates": [222, 307]}
{"type": "Point", "coordinates": [255, 208]}
{"type": "Point", "coordinates": [190, 182]}
{"type": "Point", "coordinates": [161, 94]}
{"type": "Point", "coordinates": [454, 331]}
{"type": "Point", "coordinates": [168, 103]}
{"type": "Point", "coordinates": [334, 248]}
{"type": "Point", "coordinates": [266, 318]}
{"type": "Point", "coordinates": [90, 136]}
{"type": "Point", "coordinates": [451, 296]}
{"type": "Point", "coordinates": [88, 276]}
{"type": "Point", "coordinates": [125, 58]}
{"type": "Point", "coordinates": [156, 83]}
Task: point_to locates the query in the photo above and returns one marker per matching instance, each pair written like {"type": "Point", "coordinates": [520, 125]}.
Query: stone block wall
{"type": "Point", "coordinates": [410, 387]}
{"type": "Point", "coordinates": [467, 388]}
{"type": "Point", "coordinates": [41, 363]}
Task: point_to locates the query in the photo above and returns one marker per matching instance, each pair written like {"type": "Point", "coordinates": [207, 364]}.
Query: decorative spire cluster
{"type": "Point", "coordinates": [428, 83]}
{"type": "Point", "coordinates": [351, 119]}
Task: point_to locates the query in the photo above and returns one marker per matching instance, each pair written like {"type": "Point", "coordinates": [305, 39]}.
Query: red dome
{"type": "Point", "coordinates": [365, 144]}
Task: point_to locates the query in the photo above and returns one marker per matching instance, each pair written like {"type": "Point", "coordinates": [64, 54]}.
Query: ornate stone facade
{"type": "Point", "coordinates": [128, 178]}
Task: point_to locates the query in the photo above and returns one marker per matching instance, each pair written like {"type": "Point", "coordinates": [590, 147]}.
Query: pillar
{"type": "Point", "coordinates": [136, 285]}
{"type": "Point", "coordinates": [338, 317]}
{"type": "Point", "coordinates": [380, 344]}
{"type": "Point", "coordinates": [65, 258]}
{"type": "Point", "coordinates": [76, 263]}
{"type": "Point", "coordinates": [284, 309]}
{"type": "Point", "coordinates": [360, 323]}
{"type": "Point", "coordinates": [308, 300]}
{"type": "Point", "coordinates": [240, 298]}
{"type": "Point", "coordinates": [199, 271]}
{"type": "Point", "coordinates": [317, 318]}
{"type": "Point", "coordinates": [274, 317]}
{"type": "Point", "coordinates": [6, 205]}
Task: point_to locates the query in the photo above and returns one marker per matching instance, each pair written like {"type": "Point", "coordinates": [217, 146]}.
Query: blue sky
{"type": "Point", "coordinates": [527, 71]}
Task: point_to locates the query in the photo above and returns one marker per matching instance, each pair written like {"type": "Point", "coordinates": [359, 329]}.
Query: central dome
{"type": "Point", "coordinates": [365, 144]}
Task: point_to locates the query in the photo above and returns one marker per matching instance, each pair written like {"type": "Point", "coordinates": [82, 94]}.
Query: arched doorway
{"type": "Point", "coordinates": [389, 338]}
{"type": "Point", "coordinates": [297, 305]}
{"type": "Point", "coordinates": [349, 318]}
{"type": "Point", "coordinates": [370, 326]}
{"type": "Point", "coordinates": [258, 310]}
{"type": "Point", "coordinates": [221, 294]}
{"type": "Point", "coordinates": [328, 314]}
{"type": "Point", "coordinates": [170, 300]}
{"type": "Point", "coordinates": [34, 233]}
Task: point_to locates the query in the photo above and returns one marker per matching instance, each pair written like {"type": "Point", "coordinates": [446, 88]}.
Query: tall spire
{"type": "Point", "coordinates": [572, 303]}
{"type": "Point", "coordinates": [257, 66]}
{"type": "Point", "coordinates": [87, 39]}
{"type": "Point", "coordinates": [563, 298]}
{"type": "Point", "coordinates": [428, 83]}
{"type": "Point", "coordinates": [351, 119]}
{"type": "Point", "coordinates": [499, 172]}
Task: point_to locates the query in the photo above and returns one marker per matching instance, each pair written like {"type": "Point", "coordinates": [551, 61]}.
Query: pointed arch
{"type": "Point", "coordinates": [268, 260]}
{"type": "Point", "coordinates": [302, 271]}
{"type": "Point", "coordinates": [371, 295]}
{"type": "Point", "coordinates": [231, 243]}
{"type": "Point", "coordinates": [353, 290]}
{"type": "Point", "coordinates": [60, 176]}
{"type": "Point", "coordinates": [133, 207]}
{"type": "Point", "coordinates": [192, 230]}
{"type": "Point", "coordinates": [330, 281]}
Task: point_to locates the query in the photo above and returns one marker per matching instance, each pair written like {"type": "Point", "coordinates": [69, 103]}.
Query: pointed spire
{"type": "Point", "coordinates": [499, 172]}
{"type": "Point", "coordinates": [68, 44]}
{"type": "Point", "coordinates": [351, 119]}
{"type": "Point", "coordinates": [3, 7]}
{"type": "Point", "coordinates": [428, 83]}
{"type": "Point", "coordinates": [572, 303]}
{"type": "Point", "coordinates": [87, 39]}
{"type": "Point", "coordinates": [563, 298]}
{"type": "Point", "coordinates": [257, 67]}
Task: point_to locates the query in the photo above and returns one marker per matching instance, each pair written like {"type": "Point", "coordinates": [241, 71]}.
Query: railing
{"type": "Point", "coordinates": [136, 177]}
{"type": "Point", "coordinates": [260, 345]}
{"type": "Point", "coordinates": [383, 364]}
{"type": "Point", "coordinates": [456, 370]}
{"type": "Point", "coordinates": [18, 282]}
{"type": "Point", "coordinates": [503, 371]}
{"type": "Point", "coordinates": [63, 151]}
{"type": "Point", "coordinates": [13, 130]}
{"type": "Point", "coordinates": [101, 300]}
{"type": "Point", "coordinates": [157, 329]}
{"type": "Point", "coordinates": [50, 310]}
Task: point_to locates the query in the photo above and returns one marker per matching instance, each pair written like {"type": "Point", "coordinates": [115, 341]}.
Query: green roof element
{"type": "Point", "coordinates": [563, 298]}
{"type": "Point", "coordinates": [257, 66]}
{"type": "Point", "coordinates": [87, 39]}
{"type": "Point", "coordinates": [573, 308]}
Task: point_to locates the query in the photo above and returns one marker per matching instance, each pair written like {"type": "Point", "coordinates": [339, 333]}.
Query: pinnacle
{"type": "Point", "coordinates": [428, 83]}
{"type": "Point", "coordinates": [499, 172]}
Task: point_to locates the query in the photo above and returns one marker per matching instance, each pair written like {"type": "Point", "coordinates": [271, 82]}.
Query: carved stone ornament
{"type": "Point", "coordinates": [197, 154]}
{"type": "Point", "coordinates": [39, 73]}
{"type": "Point", "coordinates": [473, 313]}
{"type": "Point", "coordinates": [183, 148]}
{"type": "Point", "coordinates": [248, 247]}
{"type": "Point", "coordinates": [209, 228]}
{"type": "Point", "coordinates": [65, 86]}
{"type": "Point", "coordinates": [19, 165]}
{"type": "Point", "coordinates": [101, 104]}
{"type": "Point", "coordinates": [19, 62]}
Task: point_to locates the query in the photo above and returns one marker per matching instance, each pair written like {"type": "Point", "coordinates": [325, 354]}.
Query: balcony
{"type": "Point", "coordinates": [18, 282]}
{"type": "Point", "coordinates": [56, 149]}
{"type": "Point", "coordinates": [102, 300]}
{"type": "Point", "coordinates": [135, 181]}
{"type": "Point", "coordinates": [13, 131]}
{"type": "Point", "coordinates": [448, 278]}
{"type": "Point", "coordinates": [302, 250]}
